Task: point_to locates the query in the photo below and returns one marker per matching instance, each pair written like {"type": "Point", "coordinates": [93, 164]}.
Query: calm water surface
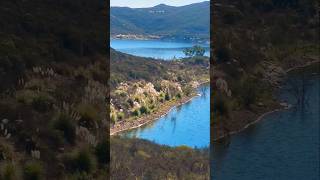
{"type": "Point", "coordinates": [187, 124]}
{"type": "Point", "coordinates": [284, 146]}
{"type": "Point", "coordinates": [154, 48]}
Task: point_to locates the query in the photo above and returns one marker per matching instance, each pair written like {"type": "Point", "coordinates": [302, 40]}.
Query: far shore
{"type": "Point", "coordinates": [155, 37]}
{"type": "Point", "coordinates": [162, 111]}
{"type": "Point", "coordinates": [260, 117]}
{"type": "Point", "coordinates": [134, 37]}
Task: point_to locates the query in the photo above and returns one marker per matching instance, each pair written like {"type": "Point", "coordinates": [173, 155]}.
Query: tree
{"type": "Point", "coordinates": [188, 52]}
{"type": "Point", "coordinates": [199, 51]}
{"type": "Point", "coordinates": [194, 51]}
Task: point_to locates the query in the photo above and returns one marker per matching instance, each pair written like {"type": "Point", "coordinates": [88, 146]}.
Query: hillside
{"type": "Point", "coordinates": [162, 83]}
{"type": "Point", "coordinates": [256, 43]}
{"type": "Point", "coordinates": [141, 159]}
{"type": "Point", "coordinates": [189, 21]}
{"type": "Point", "coordinates": [139, 88]}
{"type": "Point", "coordinates": [53, 76]}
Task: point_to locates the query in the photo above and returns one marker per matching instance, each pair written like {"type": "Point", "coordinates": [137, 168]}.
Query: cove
{"type": "Point", "coordinates": [157, 49]}
{"type": "Point", "coordinates": [188, 124]}
{"type": "Point", "coordinates": [284, 145]}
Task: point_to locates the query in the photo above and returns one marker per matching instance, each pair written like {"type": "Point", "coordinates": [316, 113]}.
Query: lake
{"type": "Point", "coordinates": [154, 48]}
{"type": "Point", "coordinates": [188, 124]}
{"type": "Point", "coordinates": [284, 145]}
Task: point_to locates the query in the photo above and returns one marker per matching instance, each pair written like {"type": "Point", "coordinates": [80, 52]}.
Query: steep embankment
{"type": "Point", "coordinates": [256, 43]}
{"type": "Point", "coordinates": [53, 76]}
{"type": "Point", "coordinates": [144, 89]}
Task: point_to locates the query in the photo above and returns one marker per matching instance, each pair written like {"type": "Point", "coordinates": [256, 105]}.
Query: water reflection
{"type": "Point", "coordinates": [188, 124]}
{"type": "Point", "coordinates": [174, 122]}
{"type": "Point", "coordinates": [284, 145]}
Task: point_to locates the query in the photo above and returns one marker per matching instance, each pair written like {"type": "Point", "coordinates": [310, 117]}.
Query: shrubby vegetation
{"type": "Point", "coordinates": [53, 76]}
{"type": "Point", "coordinates": [194, 51]}
{"type": "Point", "coordinates": [140, 85]}
{"type": "Point", "coordinates": [140, 159]}
{"type": "Point", "coordinates": [256, 41]}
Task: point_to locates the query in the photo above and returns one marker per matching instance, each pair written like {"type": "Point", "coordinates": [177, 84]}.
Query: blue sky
{"type": "Point", "coordinates": [150, 3]}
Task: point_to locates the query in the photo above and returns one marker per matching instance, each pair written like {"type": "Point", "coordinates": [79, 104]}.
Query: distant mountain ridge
{"type": "Point", "coordinates": [162, 20]}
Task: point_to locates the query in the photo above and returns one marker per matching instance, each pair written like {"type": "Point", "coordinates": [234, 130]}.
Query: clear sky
{"type": "Point", "coordinates": [151, 3]}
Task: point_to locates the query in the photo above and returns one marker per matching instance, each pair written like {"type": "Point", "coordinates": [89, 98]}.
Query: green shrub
{"type": "Point", "coordinates": [89, 115]}
{"type": "Point", "coordinates": [42, 103]}
{"type": "Point", "coordinates": [81, 161]}
{"type": "Point", "coordinates": [33, 171]}
{"type": "Point", "coordinates": [187, 90]}
{"type": "Point", "coordinates": [55, 137]}
{"type": "Point", "coordinates": [120, 116]}
{"type": "Point", "coordinates": [102, 152]}
{"type": "Point", "coordinates": [152, 107]}
{"type": "Point", "coordinates": [113, 118]}
{"type": "Point", "coordinates": [10, 171]}
{"type": "Point", "coordinates": [79, 176]}
{"type": "Point", "coordinates": [162, 97]}
{"type": "Point", "coordinates": [65, 124]}
{"type": "Point", "coordinates": [167, 97]}
{"type": "Point", "coordinates": [25, 96]}
{"type": "Point", "coordinates": [136, 112]}
{"type": "Point", "coordinates": [144, 110]}
{"type": "Point", "coordinates": [130, 102]}
{"type": "Point", "coordinates": [6, 151]}
{"type": "Point", "coordinates": [194, 51]}
{"type": "Point", "coordinates": [201, 61]}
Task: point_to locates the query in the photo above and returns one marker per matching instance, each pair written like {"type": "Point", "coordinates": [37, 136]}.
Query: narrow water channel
{"type": "Point", "coordinates": [283, 146]}
{"type": "Point", "coordinates": [188, 124]}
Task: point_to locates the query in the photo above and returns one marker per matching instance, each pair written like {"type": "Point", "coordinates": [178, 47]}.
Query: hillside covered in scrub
{"type": "Point", "coordinates": [139, 86]}
{"type": "Point", "coordinates": [54, 82]}
{"type": "Point", "coordinates": [53, 76]}
{"type": "Point", "coordinates": [141, 159]}
{"type": "Point", "coordinates": [256, 42]}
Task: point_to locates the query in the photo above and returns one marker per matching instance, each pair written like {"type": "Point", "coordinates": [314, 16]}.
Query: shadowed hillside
{"type": "Point", "coordinates": [256, 42]}
{"type": "Point", "coordinates": [53, 75]}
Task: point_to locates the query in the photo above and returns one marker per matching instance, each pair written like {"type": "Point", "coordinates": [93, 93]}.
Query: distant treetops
{"type": "Point", "coordinates": [194, 51]}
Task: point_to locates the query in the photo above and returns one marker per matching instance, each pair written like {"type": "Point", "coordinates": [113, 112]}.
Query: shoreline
{"type": "Point", "coordinates": [134, 37]}
{"type": "Point", "coordinates": [163, 111]}
{"type": "Point", "coordinates": [303, 66]}
{"type": "Point", "coordinates": [260, 117]}
{"type": "Point", "coordinates": [160, 38]}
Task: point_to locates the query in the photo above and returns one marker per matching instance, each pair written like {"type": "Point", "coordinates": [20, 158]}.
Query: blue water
{"type": "Point", "coordinates": [154, 48]}
{"type": "Point", "coordinates": [188, 124]}
{"type": "Point", "coordinates": [283, 146]}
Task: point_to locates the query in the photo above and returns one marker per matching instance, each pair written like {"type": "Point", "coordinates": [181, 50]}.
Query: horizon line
{"type": "Point", "coordinates": [160, 4]}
